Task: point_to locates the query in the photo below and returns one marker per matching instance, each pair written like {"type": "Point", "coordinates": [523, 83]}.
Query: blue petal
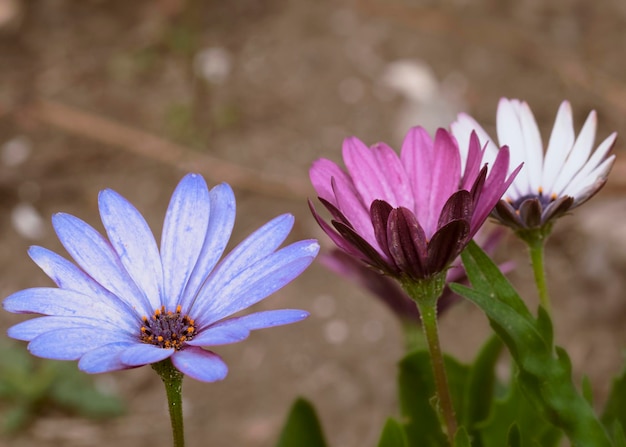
{"type": "Point", "coordinates": [237, 329]}
{"type": "Point", "coordinates": [257, 281]}
{"type": "Point", "coordinates": [221, 220]}
{"type": "Point", "coordinates": [134, 243]}
{"type": "Point", "coordinates": [67, 303]}
{"type": "Point", "coordinates": [98, 259]}
{"type": "Point", "coordinates": [144, 354]}
{"type": "Point", "coordinates": [255, 247]}
{"type": "Point", "coordinates": [221, 334]}
{"type": "Point", "coordinates": [104, 358]}
{"type": "Point", "coordinates": [184, 231]}
{"type": "Point", "coordinates": [70, 344]}
{"type": "Point", "coordinates": [67, 276]}
{"type": "Point", "coordinates": [29, 329]}
{"type": "Point", "coordinates": [199, 364]}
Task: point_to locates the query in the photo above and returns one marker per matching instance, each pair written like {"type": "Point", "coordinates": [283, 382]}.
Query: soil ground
{"type": "Point", "coordinates": [131, 95]}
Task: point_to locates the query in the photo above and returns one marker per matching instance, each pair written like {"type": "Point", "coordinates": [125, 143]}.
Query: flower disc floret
{"type": "Point", "coordinates": [127, 302]}
{"type": "Point", "coordinates": [167, 329]}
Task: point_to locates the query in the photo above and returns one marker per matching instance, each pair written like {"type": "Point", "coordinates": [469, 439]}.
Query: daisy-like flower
{"type": "Point", "coordinates": [409, 216]}
{"type": "Point", "coordinates": [549, 185]}
{"type": "Point", "coordinates": [127, 303]}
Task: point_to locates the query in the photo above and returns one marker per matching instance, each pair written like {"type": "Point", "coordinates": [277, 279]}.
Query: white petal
{"type": "Point", "coordinates": [578, 156]}
{"type": "Point", "coordinates": [559, 147]}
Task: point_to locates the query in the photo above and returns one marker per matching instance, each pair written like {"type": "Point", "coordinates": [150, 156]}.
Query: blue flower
{"type": "Point", "coordinates": [127, 303]}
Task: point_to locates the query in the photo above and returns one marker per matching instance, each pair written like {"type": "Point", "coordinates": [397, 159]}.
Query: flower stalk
{"type": "Point", "coordinates": [425, 293]}
{"type": "Point", "coordinates": [535, 239]}
{"type": "Point", "coordinates": [173, 381]}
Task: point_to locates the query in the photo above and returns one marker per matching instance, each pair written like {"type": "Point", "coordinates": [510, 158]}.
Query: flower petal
{"type": "Point", "coordinates": [223, 298]}
{"type": "Point", "coordinates": [104, 358]}
{"type": "Point", "coordinates": [559, 146]}
{"type": "Point", "coordinates": [29, 329]}
{"type": "Point", "coordinates": [462, 128]}
{"type": "Point", "coordinates": [254, 248]}
{"type": "Point", "coordinates": [446, 174]}
{"type": "Point", "coordinates": [199, 364]}
{"type": "Point", "coordinates": [321, 174]}
{"type": "Point", "coordinates": [98, 259]}
{"type": "Point", "coordinates": [236, 329]}
{"type": "Point", "coordinates": [221, 221]}
{"type": "Point", "coordinates": [184, 229]}
{"type": "Point", "coordinates": [372, 179]}
{"type": "Point", "coordinates": [67, 303]}
{"type": "Point", "coordinates": [220, 334]}
{"type": "Point", "coordinates": [67, 276]}
{"type": "Point", "coordinates": [417, 157]}
{"type": "Point", "coordinates": [134, 243]}
{"type": "Point", "coordinates": [579, 155]}
{"type": "Point", "coordinates": [144, 354]}
{"type": "Point", "coordinates": [70, 343]}
{"type": "Point", "coordinates": [509, 132]}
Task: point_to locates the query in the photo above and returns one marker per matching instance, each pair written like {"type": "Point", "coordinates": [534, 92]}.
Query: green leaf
{"type": "Point", "coordinates": [302, 427]}
{"type": "Point", "coordinates": [615, 409]}
{"type": "Point", "coordinates": [618, 435]}
{"type": "Point", "coordinates": [416, 387]}
{"type": "Point", "coordinates": [462, 439]}
{"type": "Point", "coordinates": [515, 409]}
{"type": "Point", "coordinates": [514, 438]}
{"type": "Point", "coordinates": [481, 384]}
{"type": "Point", "coordinates": [587, 390]}
{"type": "Point", "coordinates": [393, 435]}
{"type": "Point", "coordinates": [545, 378]}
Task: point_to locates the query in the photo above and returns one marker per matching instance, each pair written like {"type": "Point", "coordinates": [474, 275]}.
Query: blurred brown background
{"type": "Point", "coordinates": [131, 95]}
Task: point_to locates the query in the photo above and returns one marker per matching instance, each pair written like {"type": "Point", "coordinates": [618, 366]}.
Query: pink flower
{"type": "Point", "coordinates": [409, 216]}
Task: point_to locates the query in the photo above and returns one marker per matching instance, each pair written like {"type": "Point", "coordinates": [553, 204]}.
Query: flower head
{"type": "Point", "coordinates": [127, 303]}
{"type": "Point", "coordinates": [409, 216]}
{"type": "Point", "coordinates": [549, 185]}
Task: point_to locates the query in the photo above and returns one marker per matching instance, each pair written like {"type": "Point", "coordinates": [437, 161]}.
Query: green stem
{"type": "Point", "coordinates": [425, 293]}
{"type": "Point", "coordinates": [535, 239]}
{"type": "Point", "coordinates": [173, 381]}
{"type": "Point", "coordinates": [537, 260]}
{"type": "Point", "coordinates": [429, 323]}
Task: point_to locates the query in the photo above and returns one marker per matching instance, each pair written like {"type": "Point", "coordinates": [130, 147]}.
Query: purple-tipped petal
{"type": "Point", "coordinates": [199, 364]}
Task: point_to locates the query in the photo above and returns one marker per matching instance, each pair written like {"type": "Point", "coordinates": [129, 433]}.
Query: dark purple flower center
{"type": "Point", "coordinates": [167, 329]}
{"type": "Point", "coordinates": [544, 199]}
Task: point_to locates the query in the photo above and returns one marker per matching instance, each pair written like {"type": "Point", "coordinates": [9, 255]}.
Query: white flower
{"type": "Point", "coordinates": [567, 175]}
